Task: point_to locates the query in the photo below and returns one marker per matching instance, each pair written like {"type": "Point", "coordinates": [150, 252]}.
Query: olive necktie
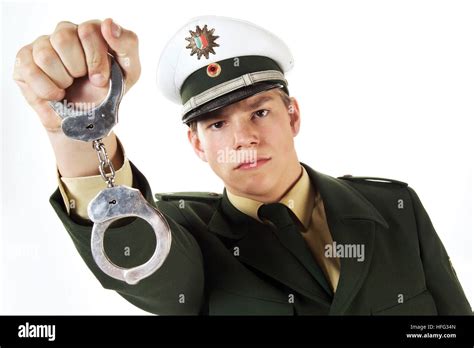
{"type": "Point", "coordinates": [289, 235]}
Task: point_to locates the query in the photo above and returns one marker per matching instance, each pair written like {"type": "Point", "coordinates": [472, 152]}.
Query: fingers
{"type": "Point", "coordinates": [66, 43]}
{"type": "Point", "coordinates": [52, 63]}
{"type": "Point", "coordinates": [50, 120]}
{"type": "Point", "coordinates": [48, 60]}
{"type": "Point", "coordinates": [28, 72]}
{"type": "Point", "coordinates": [95, 50]}
{"type": "Point", "coordinates": [124, 44]}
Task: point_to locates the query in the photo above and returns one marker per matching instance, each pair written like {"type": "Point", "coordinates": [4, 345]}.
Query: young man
{"type": "Point", "coordinates": [282, 239]}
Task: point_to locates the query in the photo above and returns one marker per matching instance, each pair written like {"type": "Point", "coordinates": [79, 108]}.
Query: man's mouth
{"type": "Point", "coordinates": [253, 164]}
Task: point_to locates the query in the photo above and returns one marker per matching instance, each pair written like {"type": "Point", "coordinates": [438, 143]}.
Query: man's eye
{"type": "Point", "coordinates": [217, 125]}
{"type": "Point", "coordinates": [261, 113]}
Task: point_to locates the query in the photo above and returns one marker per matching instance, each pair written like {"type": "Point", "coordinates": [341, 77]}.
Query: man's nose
{"type": "Point", "coordinates": [245, 135]}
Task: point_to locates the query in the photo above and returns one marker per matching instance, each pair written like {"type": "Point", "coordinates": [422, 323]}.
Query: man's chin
{"type": "Point", "coordinates": [250, 187]}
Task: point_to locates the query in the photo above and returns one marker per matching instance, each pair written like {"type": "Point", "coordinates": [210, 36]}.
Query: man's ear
{"type": "Point", "coordinates": [196, 144]}
{"type": "Point", "coordinates": [295, 120]}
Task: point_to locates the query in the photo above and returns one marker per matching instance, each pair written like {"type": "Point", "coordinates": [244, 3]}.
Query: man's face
{"type": "Point", "coordinates": [249, 144]}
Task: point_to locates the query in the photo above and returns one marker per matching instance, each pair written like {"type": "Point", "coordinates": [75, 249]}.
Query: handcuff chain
{"type": "Point", "coordinates": [104, 163]}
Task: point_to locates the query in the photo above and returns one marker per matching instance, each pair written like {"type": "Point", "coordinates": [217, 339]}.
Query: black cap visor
{"type": "Point", "coordinates": [230, 98]}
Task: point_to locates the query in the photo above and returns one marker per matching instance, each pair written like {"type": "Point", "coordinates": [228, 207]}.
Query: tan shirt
{"type": "Point", "coordinates": [79, 191]}
{"type": "Point", "coordinates": [301, 199]}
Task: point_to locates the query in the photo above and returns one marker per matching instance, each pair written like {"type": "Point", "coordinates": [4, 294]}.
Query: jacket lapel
{"type": "Point", "coordinates": [353, 272]}
{"type": "Point", "coordinates": [295, 243]}
{"type": "Point", "coordinates": [259, 247]}
{"type": "Point", "coordinates": [353, 221]}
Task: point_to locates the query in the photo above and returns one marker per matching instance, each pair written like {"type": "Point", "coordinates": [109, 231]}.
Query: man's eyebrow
{"type": "Point", "coordinates": [259, 101]}
{"type": "Point", "coordinates": [211, 116]}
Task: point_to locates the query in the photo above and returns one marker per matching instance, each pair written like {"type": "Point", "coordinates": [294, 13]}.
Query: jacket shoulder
{"type": "Point", "coordinates": [188, 208]}
{"type": "Point", "coordinates": [370, 180]}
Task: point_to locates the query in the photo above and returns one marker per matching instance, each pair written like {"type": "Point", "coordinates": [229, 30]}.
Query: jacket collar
{"type": "Point", "coordinates": [341, 202]}
{"type": "Point", "coordinates": [352, 219]}
{"type": "Point", "coordinates": [300, 199]}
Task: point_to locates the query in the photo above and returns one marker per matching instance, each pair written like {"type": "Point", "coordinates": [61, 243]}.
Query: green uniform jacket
{"type": "Point", "coordinates": [223, 262]}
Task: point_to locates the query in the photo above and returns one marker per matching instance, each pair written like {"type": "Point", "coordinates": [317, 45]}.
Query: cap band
{"type": "Point", "coordinates": [230, 86]}
{"type": "Point", "coordinates": [230, 68]}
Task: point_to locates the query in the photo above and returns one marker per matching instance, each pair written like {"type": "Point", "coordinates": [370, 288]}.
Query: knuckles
{"type": "Point", "coordinates": [62, 38]}
{"type": "Point", "coordinates": [29, 72]}
{"type": "Point", "coordinates": [44, 56]}
{"type": "Point", "coordinates": [20, 54]}
{"type": "Point", "coordinates": [65, 24]}
{"type": "Point", "coordinates": [88, 29]}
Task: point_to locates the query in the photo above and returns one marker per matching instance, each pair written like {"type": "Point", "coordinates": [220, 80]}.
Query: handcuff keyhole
{"type": "Point", "coordinates": [90, 126]}
{"type": "Point", "coordinates": [113, 202]}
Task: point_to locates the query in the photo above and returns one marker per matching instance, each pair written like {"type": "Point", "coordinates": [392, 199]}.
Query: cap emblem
{"type": "Point", "coordinates": [213, 70]}
{"type": "Point", "coordinates": [202, 42]}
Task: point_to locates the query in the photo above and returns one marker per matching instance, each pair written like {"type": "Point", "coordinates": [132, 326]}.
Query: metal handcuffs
{"type": "Point", "coordinates": [114, 202]}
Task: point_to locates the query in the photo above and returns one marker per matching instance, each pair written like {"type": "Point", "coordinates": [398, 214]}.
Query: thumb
{"type": "Point", "coordinates": [124, 46]}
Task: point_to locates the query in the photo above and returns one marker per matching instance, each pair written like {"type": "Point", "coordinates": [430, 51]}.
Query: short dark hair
{"type": "Point", "coordinates": [284, 97]}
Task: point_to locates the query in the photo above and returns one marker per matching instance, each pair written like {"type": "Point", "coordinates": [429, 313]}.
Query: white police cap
{"type": "Point", "coordinates": [214, 61]}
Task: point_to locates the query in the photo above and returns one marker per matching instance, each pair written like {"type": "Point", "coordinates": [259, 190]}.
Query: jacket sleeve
{"type": "Point", "coordinates": [441, 279]}
{"type": "Point", "coordinates": [174, 289]}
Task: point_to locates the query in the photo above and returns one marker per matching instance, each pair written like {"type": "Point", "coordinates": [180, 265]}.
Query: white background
{"type": "Point", "coordinates": [386, 89]}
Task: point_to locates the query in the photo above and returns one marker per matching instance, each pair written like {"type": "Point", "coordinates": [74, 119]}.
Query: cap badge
{"type": "Point", "coordinates": [202, 42]}
{"type": "Point", "coordinates": [213, 70]}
